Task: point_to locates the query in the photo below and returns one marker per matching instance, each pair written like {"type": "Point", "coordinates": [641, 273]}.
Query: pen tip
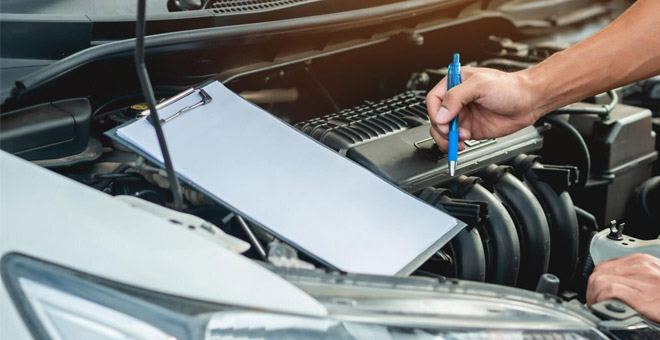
{"type": "Point", "coordinates": [452, 168]}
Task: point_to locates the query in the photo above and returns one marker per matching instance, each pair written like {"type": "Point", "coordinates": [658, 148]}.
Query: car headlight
{"type": "Point", "coordinates": [66, 316]}
{"type": "Point", "coordinates": [59, 303]}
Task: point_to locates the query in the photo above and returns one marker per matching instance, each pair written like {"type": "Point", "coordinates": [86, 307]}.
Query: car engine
{"type": "Point", "coordinates": [531, 206]}
{"type": "Point", "coordinates": [532, 200]}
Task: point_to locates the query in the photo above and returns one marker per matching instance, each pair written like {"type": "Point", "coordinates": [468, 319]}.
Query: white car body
{"type": "Point", "coordinates": [75, 226]}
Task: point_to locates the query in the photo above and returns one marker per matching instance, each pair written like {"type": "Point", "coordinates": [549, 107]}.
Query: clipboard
{"type": "Point", "coordinates": [290, 185]}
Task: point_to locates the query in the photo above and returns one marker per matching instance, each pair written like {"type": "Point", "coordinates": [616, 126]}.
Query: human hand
{"type": "Point", "coordinates": [633, 279]}
{"type": "Point", "coordinates": [490, 104]}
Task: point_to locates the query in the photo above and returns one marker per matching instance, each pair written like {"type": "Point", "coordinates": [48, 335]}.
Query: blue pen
{"type": "Point", "coordinates": [453, 79]}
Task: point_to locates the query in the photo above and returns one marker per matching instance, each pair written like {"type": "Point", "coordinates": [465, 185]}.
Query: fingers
{"type": "Point", "coordinates": [620, 291]}
{"type": "Point", "coordinates": [603, 287]}
{"type": "Point", "coordinates": [434, 97]}
{"type": "Point", "coordinates": [444, 105]}
{"type": "Point", "coordinates": [463, 133]}
{"type": "Point", "coordinates": [455, 100]}
{"type": "Point", "coordinates": [442, 139]}
{"type": "Point", "coordinates": [630, 265]}
{"type": "Point", "coordinates": [633, 279]}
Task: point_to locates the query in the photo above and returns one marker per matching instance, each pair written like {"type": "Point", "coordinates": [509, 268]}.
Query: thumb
{"type": "Point", "coordinates": [454, 101]}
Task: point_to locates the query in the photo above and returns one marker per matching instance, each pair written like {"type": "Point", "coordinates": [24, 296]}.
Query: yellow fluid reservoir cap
{"type": "Point", "coordinates": [139, 107]}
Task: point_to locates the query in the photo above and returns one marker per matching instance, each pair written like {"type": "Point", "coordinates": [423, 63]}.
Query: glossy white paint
{"type": "Point", "coordinates": [47, 216]}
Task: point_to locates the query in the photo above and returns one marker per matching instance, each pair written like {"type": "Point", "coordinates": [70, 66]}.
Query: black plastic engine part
{"type": "Point", "coordinates": [564, 134]}
{"type": "Point", "coordinates": [622, 152]}
{"type": "Point", "coordinates": [468, 252]}
{"type": "Point", "coordinates": [644, 222]}
{"type": "Point", "coordinates": [186, 5]}
{"type": "Point", "coordinates": [351, 127]}
{"type": "Point", "coordinates": [645, 94]}
{"type": "Point", "coordinates": [529, 219]}
{"type": "Point", "coordinates": [586, 220]}
{"type": "Point", "coordinates": [499, 233]}
{"type": "Point", "coordinates": [473, 213]}
{"type": "Point", "coordinates": [549, 185]}
{"type": "Point", "coordinates": [466, 249]}
{"type": "Point", "coordinates": [588, 228]}
{"type": "Point", "coordinates": [648, 195]}
{"type": "Point", "coordinates": [412, 161]}
{"type": "Point", "coordinates": [391, 138]}
{"type": "Point", "coordinates": [548, 284]}
{"type": "Point", "coordinates": [463, 258]}
{"type": "Point", "coordinates": [54, 134]}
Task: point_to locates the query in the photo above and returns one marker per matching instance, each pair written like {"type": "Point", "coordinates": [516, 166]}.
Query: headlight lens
{"type": "Point", "coordinates": [58, 303]}
{"type": "Point", "coordinates": [65, 316]}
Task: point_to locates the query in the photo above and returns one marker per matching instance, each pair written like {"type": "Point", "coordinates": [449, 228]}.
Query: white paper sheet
{"type": "Point", "coordinates": [295, 187]}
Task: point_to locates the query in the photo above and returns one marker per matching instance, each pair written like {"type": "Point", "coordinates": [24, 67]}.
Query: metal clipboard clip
{"type": "Point", "coordinates": [206, 98]}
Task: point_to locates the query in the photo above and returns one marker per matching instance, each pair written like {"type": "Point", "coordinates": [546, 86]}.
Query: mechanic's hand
{"type": "Point", "coordinates": [633, 279]}
{"type": "Point", "coordinates": [491, 104]}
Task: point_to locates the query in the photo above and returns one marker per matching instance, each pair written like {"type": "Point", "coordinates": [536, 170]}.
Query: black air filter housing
{"type": "Point", "coordinates": [622, 151]}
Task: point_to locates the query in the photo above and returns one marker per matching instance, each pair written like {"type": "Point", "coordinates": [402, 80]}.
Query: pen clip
{"type": "Point", "coordinates": [206, 98]}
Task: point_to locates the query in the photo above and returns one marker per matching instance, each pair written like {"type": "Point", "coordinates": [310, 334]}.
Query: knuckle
{"type": "Point", "coordinates": [450, 96]}
{"type": "Point", "coordinates": [608, 291]}
{"type": "Point", "coordinates": [647, 266]}
{"type": "Point", "coordinates": [598, 281]}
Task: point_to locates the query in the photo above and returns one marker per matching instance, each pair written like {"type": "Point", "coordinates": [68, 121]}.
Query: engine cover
{"type": "Point", "coordinates": [391, 139]}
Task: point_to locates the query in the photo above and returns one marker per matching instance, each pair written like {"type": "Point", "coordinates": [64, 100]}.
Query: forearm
{"type": "Point", "coordinates": [625, 51]}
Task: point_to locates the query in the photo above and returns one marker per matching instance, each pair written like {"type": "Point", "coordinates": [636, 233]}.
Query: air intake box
{"type": "Point", "coordinates": [622, 152]}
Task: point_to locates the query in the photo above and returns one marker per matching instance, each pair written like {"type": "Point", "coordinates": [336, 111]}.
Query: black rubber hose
{"type": "Point", "coordinates": [530, 221]}
{"type": "Point", "coordinates": [644, 222]}
{"type": "Point", "coordinates": [465, 248]}
{"type": "Point", "coordinates": [562, 219]}
{"type": "Point", "coordinates": [469, 255]}
{"type": "Point", "coordinates": [648, 196]}
{"type": "Point", "coordinates": [499, 234]}
{"type": "Point", "coordinates": [603, 110]}
{"type": "Point", "coordinates": [581, 145]}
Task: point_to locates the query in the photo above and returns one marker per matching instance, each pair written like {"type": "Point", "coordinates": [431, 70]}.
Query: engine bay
{"type": "Point", "coordinates": [532, 200]}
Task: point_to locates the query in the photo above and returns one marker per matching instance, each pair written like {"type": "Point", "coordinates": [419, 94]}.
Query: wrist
{"type": "Point", "coordinates": [531, 95]}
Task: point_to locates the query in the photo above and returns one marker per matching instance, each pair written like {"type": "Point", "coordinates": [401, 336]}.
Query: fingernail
{"type": "Point", "coordinates": [438, 127]}
{"type": "Point", "coordinates": [443, 113]}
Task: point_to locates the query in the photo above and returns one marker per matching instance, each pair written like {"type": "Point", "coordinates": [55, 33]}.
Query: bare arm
{"type": "Point", "coordinates": [625, 51]}
{"type": "Point", "coordinates": [493, 103]}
